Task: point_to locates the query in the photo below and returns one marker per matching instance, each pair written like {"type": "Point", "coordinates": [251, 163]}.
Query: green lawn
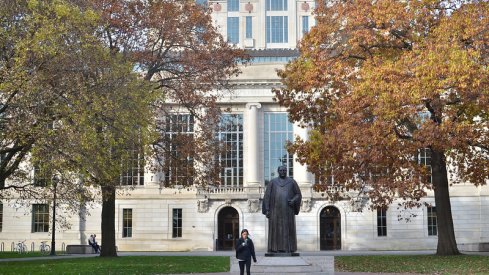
{"type": "Point", "coordinates": [119, 265]}
{"type": "Point", "coordinates": [427, 264]}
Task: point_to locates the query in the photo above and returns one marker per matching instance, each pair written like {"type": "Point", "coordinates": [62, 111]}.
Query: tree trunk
{"type": "Point", "coordinates": [447, 244]}
{"type": "Point", "coordinates": [108, 222]}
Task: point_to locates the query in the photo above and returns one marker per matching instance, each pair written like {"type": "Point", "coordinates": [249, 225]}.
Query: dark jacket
{"type": "Point", "coordinates": [245, 252]}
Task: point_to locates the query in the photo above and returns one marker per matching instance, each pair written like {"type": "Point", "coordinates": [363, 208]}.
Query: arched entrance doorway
{"type": "Point", "coordinates": [330, 228]}
{"type": "Point", "coordinates": [227, 228]}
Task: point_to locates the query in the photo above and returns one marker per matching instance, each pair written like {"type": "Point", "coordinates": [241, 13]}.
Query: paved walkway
{"type": "Point", "coordinates": [259, 254]}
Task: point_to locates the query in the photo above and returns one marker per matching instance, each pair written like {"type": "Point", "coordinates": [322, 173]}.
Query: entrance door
{"type": "Point", "coordinates": [228, 228]}
{"type": "Point", "coordinates": [330, 229]}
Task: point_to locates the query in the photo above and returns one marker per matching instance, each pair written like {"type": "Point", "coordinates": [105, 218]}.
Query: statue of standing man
{"type": "Point", "coordinates": [282, 201]}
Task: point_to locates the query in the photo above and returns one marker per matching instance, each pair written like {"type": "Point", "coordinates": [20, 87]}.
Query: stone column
{"type": "Point", "coordinates": [301, 175]}
{"type": "Point", "coordinates": [253, 152]}
{"type": "Point", "coordinates": [201, 169]}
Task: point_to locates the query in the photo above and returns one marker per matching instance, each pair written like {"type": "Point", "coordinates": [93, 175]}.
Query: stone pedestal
{"type": "Point", "coordinates": [282, 254]}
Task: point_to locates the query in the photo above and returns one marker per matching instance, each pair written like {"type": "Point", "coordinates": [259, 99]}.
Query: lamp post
{"type": "Point", "coordinates": [53, 236]}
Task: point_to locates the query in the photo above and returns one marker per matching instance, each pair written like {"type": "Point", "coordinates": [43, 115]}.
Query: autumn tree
{"type": "Point", "coordinates": [178, 49]}
{"type": "Point", "coordinates": [42, 61]}
{"type": "Point", "coordinates": [70, 106]}
{"type": "Point", "coordinates": [174, 46]}
{"type": "Point", "coordinates": [112, 125]}
{"type": "Point", "coordinates": [23, 113]}
{"type": "Point", "coordinates": [383, 82]}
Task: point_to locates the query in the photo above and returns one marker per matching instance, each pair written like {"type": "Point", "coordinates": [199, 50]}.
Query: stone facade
{"type": "Point", "coordinates": [210, 218]}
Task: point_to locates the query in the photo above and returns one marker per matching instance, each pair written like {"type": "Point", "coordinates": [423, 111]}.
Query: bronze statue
{"type": "Point", "coordinates": [282, 201]}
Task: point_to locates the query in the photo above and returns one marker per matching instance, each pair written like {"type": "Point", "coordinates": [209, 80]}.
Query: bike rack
{"type": "Point", "coordinates": [63, 247]}
{"type": "Point", "coordinates": [12, 247]}
{"type": "Point", "coordinates": [2, 247]}
{"type": "Point", "coordinates": [33, 245]}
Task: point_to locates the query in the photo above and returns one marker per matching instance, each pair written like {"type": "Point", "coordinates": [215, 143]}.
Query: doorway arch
{"type": "Point", "coordinates": [227, 228]}
{"type": "Point", "coordinates": [330, 229]}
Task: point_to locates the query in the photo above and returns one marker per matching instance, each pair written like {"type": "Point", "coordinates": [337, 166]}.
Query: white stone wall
{"type": "Point", "coordinates": [258, 13]}
{"type": "Point", "coordinates": [152, 225]}
{"type": "Point", "coordinates": [17, 226]}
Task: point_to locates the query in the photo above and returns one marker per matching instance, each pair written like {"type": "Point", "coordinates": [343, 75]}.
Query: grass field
{"type": "Point", "coordinates": [425, 264]}
{"type": "Point", "coordinates": [422, 264]}
{"type": "Point", "coordinates": [119, 265]}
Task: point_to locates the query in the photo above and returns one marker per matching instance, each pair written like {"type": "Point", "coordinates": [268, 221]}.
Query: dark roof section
{"type": "Point", "coordinates": [273, 53]}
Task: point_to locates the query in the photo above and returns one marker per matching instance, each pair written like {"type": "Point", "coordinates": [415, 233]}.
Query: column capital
{"type": "Point", "coordinates": [253, 104]}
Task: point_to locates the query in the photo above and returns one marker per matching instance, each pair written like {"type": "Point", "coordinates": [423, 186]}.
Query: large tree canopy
{"type": "Point", "coordinates": [175, 47]}
{"type": "Point", "coordinates": [82, 82]}
{"type": "Point", "coordinates": [48, 55]}
{"type": "Point", "coordinates": [384, 84]}
{"type": "Point", "coordinates": [70, 106]}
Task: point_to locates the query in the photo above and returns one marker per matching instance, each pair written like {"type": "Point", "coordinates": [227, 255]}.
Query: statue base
{"type": "Point", "coordinates": [282, 254]}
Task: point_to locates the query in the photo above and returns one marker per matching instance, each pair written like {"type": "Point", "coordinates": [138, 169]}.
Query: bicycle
{"type": "Point", "coordinates": [21, 247]}
{"type": "Point", "coordinates": [44, 248]}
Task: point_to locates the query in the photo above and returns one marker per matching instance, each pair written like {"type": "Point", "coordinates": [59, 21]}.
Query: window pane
{"type": "Point", "coordinates": [278, 130]}
{"type": "Point", "coordinates": [286, 30]}
{"type": "Point", "coordinates": [126, 223]}
{"type": "Point", "coordinates": [230, 158]}
{"type": "Point", "coordinates": [177, 223]}
{"type": "Point", "coordinates": [276, 29]}
{"type": "Point", "coordinates": [424, 158]}
{"type": "Point", "coordinates": [276, 5]}
{"type": "Point", "coordinates": [267, 28]}
{"type": "Point", "coordinates": [40, 218]}
{"type": "Point", "coordinates": [134, 168]}
{"type": "Point", "coordinates": [381, 222]}
{"type": "Point", "coordinates": [233, 5]}
{"type": "Point", "coordinates": [233, 30]}
{"type": "Point", "coordinates": [249, 29]}
{"type": "Point", "coordinates": [41, 178]}
{"type": "Point", "coordinates": [432, 221]}
{"type": "Point", "coordinates": [202, 2]}
{"type": "Point", "coordinates": [305, 24]}
{"type": "Point", "coordinates": [178, 156]}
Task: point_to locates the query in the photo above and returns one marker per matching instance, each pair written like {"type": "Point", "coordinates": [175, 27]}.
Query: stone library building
{"type": "Point", "coordinates": [152, 218]}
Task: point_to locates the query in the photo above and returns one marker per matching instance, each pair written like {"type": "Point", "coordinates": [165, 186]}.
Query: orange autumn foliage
{"type": "Point", "coordinates": [379, 83]}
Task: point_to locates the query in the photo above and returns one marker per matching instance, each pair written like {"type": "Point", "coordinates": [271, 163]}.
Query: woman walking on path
{"type": "Point", "coordinates": [244, 251]}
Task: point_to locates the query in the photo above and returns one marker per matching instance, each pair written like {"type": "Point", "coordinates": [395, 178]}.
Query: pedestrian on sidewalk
{"type": "Point", "coordinates": [245, 250]}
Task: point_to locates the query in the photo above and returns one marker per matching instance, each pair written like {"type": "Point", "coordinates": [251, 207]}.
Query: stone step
{"type": "Point", "coordinates": [289, 273]}
{"type": "Point", "coordinates": [289, 265]}
{"type": "Point", "coordinates": [286, 269]}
